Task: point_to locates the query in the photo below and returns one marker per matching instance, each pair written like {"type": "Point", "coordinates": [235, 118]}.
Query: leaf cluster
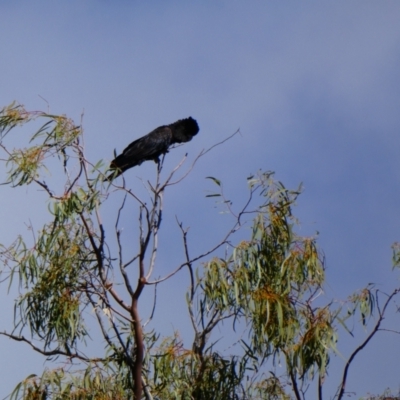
{"type": "Point", "coordinates": [267, 288]}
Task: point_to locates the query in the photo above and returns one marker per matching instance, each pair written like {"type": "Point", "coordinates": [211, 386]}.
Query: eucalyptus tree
{"type": "Point", "coordinates": [266, 283]}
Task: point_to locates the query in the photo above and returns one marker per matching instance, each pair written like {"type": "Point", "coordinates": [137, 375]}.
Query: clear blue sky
{"type": "Point", "coordinates": [313, 86]}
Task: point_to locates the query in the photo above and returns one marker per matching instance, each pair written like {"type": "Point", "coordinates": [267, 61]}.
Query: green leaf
{"type": "Point", "coordinates": [213, 195]}
{"type": "Point", "coordinates": [215, 180]}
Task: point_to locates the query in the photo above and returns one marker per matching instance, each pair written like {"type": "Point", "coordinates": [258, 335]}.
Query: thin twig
{"type": "Point", "coordinates": [365, 342]}
{"type": "Point", "coordinates": [52, 352]}
{"type": "Point", "coordinates": [201, 154]}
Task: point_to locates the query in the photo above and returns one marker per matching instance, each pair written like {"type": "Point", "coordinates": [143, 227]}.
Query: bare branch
{"type": "Point", "coordinates": [154, 307]}
{"type": "Point", "coordinates": [188, 263]}
{"type": "Point", "coordinates": [205, 254]}
{"type": "Point", "coordinates": [122, 267]}
{"type": "Point", "coordinates": [146, 390]}
{"type": "Point", "coordinates": [156, 223]}
{"type": "Point", "coordinates": [365, 342]}
{"type": "Point", "coordinates": [166, 183]}
{"type": "Point", "coordinates": [107, 337]}
{"type": "Point", "coordinates": [320, 387]}
{"type": "Point", "coordinates": [292, 377]}
{"type": "Point", "coordinates": [55, 352]}
{"type": "Point", "coordinates": [201, 154]}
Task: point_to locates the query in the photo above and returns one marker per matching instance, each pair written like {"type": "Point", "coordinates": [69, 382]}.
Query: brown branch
{"type": "Point", "coordinates": [153, 223]}
{"type": "Point", "coordinates": [146, 390]}
{"type": "Point", "coordinates": [153, 218]}
{"type": "Point", "coordinates": [189, 264]}
{"type": "Point", "coordinates": [104, 298]}
{"type": "Point", "coordinates": [122, 268]}
{"type": "Point", "coordinates": [234, 228]}
{"type": "Point", "coordinates": [156, 223]}
{"type": "Point", "coordinates": [138, 363]}
{"type": "Point", "coordinates": [47, 189]}
{"type": "Point", "coordinates": [365, 342]}
{"type": "Point", "coordinates": [79, 173]}
{"type": "Point", "coordinates": [100, 265]}
{"type": "Point", "coordinates": [319, 387]}
{"type": "Point", "coordinates": [292, 378]}
{"type": "Point", "coordinates": [201, 154]}
{"type": "Point", "coordinates": [52, 352]}
{"type": "Point", "coordinates": [127, 357]}
{"type": "Point", "coordinates": [166, 183]}
{"type": "Point", "coordinates": [153, 310]}
{"type": "Point", "coordinates": [216, 247]}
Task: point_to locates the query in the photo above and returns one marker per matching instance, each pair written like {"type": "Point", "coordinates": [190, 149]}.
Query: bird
{"type": "Point", "coordinates": [153, 145]}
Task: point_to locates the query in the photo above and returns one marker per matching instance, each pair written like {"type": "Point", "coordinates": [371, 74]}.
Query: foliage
{"type": "Point", "coordinates": [386, 395]}
{"type": "Point", "coordinates": [268, 287]}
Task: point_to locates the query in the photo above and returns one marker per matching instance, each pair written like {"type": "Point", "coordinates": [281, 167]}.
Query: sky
{"type": "Point", "coordinates": [314, 88]}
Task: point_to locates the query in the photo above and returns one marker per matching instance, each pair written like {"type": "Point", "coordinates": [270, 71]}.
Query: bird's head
{"type": "Point", "coordinates": [184, 129]}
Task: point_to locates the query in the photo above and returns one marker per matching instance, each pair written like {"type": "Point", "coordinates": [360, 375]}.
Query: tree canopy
{"type": "Point", "coordinates": [80, 285]}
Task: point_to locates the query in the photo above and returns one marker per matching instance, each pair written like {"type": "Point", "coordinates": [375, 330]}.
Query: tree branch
{"type": "Point", "coordinates": [365, 342]}
{"type": "Point", "coordinates": [55, 352]}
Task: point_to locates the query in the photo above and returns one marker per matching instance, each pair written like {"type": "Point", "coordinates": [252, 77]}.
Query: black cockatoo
{"type": "Point", "coordinates": [155, 143]}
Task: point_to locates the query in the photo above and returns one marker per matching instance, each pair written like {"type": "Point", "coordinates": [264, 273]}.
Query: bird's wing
{"type": "Point", "coordinates": [148, 147]}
